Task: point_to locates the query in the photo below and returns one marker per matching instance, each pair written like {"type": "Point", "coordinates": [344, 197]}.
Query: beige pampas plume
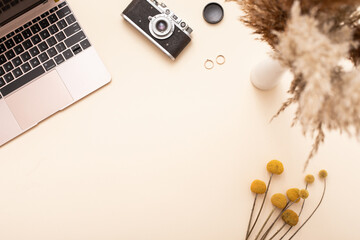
{"type": "Point", "coordinates": [311, 38]}
{"type": "Point", "coordinates": [313, 51]}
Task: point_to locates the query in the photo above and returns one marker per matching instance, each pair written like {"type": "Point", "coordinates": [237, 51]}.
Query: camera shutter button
{"type": "Point", "coordinates": [167, 11]}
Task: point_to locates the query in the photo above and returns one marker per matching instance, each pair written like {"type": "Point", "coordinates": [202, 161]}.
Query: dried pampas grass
{"type": "Point", "coordinates": [311, 38]}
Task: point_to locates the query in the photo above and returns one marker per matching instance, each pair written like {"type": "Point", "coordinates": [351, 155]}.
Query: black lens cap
{"type": "Point", "coordinates": [213, 13]}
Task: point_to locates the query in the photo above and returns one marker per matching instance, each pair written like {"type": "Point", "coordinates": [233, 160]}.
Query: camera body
{"type": "Point", "coordinates": [160, 25]}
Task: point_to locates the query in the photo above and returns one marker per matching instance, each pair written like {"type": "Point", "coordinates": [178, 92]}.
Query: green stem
{"type": "Point", "coordinates": [277, 232]}
{"type": "Point", "coordinates": [322, 197]}
{"type": "Point", "coordinates": [262, 205]}
{"type": "Point", "coordinates": [251, 215]}
{"type": "Point", "coordinates": [263, 226]}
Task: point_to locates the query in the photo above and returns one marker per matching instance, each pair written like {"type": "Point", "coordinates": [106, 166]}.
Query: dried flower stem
{"type": "Point", "coordinates": [302, 207]}
{"type": "Point", "coordinates": [263, 226]}
{"type": "Point", "coordinates": [322, 197]}
{"type": "Point", "coordinates": [262, 205]}
{"type": "Point", "coordinates": [286, 233]}
{"type": "Point", "coordinates": [277, 232]}
{"type": "Point", "coordinates": [288, 205]}
{"type": "Point", "coordinates": [251, 215]}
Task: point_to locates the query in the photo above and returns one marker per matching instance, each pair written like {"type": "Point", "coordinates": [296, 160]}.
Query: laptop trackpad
{"type": "Point", "coordinates": [9, 128]}
{"type": "Point", "coordinates": [39, 100]}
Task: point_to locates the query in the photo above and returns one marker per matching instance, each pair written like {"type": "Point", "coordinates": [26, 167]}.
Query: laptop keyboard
{"type": "Point", "coordinates": [39, 46]}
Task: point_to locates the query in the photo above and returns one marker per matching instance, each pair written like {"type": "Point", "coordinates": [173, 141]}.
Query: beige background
{"type": "Point", "coordinates": [168, 149]}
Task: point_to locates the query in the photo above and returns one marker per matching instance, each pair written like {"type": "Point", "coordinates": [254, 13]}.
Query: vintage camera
{"type": "Point", "coordinates": [159, 24]}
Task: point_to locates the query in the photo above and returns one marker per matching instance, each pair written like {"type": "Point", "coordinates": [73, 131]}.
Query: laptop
{"type": "Point", "coordinates": [46, 63]}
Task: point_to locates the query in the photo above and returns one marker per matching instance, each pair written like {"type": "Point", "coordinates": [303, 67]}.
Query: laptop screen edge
{"type": "Point", "coordinates": [18, 14]}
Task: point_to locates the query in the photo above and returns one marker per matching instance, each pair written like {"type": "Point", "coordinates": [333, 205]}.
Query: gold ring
{"type": "Point", "coordinates": [220, 59]}
{"type": "Point", "coordinates": [209, 64]}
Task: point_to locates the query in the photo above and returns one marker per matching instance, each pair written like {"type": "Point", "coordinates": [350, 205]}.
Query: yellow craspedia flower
{"type": "Point", "coordinates": [293, 194]}
{"type": "Point", "coordinates": [323, 174]}
{"type": "Point", "coordinates": [275, 167]}
{"type": "Point", "coordinates": [279, 200]}
{"type": "Point", "coordinates": [304, 194]}
{"type": "Point", "coordinates": [290, 217]}
{"type": "Point", "coordinates": [258, 187]}
{"type": "Point", "coordinates": [309, 178]}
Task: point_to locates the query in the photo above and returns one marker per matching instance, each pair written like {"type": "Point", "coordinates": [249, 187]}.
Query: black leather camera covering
{"type": "Point", "coordinates": [139, 11]}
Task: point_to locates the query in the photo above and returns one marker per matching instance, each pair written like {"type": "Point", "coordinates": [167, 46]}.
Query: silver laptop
{"type": "Point", "coordinates": [46, 63]}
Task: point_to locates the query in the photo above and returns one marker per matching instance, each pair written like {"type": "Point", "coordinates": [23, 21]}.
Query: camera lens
{"type": "Point", "coordinates": [161, 26]}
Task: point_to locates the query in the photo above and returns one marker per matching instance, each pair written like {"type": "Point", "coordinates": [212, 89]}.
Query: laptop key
{"type": "Point", "coordinates": [2, 59]}
{"type": "Point", "coordinates": [9, 43]}
{"type": "Point", "coordinates": [17, 61]}
{"type": "Point", "coordinates": [2, 82]}
{"type": "Point", "coordinates": [10, 54]}
{"type": "Point", "coordinates": [62, 24]}
{"type": "Point", "coordinates": [44, 15]}
{"type": "Point", "coordinates": [18, 39]}
{"type": "Point", "coordinates": [70, 19]}
{"type": "Point", "coordinates": [72, 29]}
{"type": "Point", "coordinates": [68, 54]}
{"type": "Point", "coordinates": [25, 56]}
{"type": "Point", "coordinates": [53, 29]}
{"type": "Point", "coordinates": [8, 67]}
{"type": "Point", "coordinates": [2, 48]}
{"type": "Point", "coordinates": [28, 24]}
{"type": "Point", "coordinates": [44, 23]}
{"type": "Point", "coordinates": [35, 28]}
{"type": "Point", "coordinates": [76, 49]}
{"type": "Point", "coordinates": [17, 72]}
{"type": "Point", "coordinates": [63, 12]}
{"type": "Point", "coordinates": [21, 81]}
{"type": "Point", "coordinates": [43, 46]}
{"type": "Point", "coordinates": [27, 33]}
{"type": "Point", "coordinates": [51, 41]}
{"type": "Point", "coordinates": [62, 4]}
{"type": "Point", "coordinates": [19, 29]}
{"type": "Point", "coordinates": [18, 49]}
{"type": "Point", "coordinates": [36, 39]}
{"type": "Point", "coordinates": [51, 52]}
{"type": "Point", "coordinates": [34, 51]}
{"type": "Point", "coordinates": [44, 34]}
{"type": "Point", "coordinates": [61, 47]}
{"type": "Point", "coordinates": [53, 18]}
{"type": "Point", "coordinates": [27, 44]}
{"type": "Point", "coordinates": [36, 19]}
{"type": "Point", "coordinates": [8, 77]}
{"type": "Point", "coordinates": [59, 59]}
{"type": "Point", "coordinates": [53, 9]}
{"type": "Point", "coordinates": [85, 44]}
{"type": "Point", "coordinates": [26, 67]}
{"type": "Point", "coordinates": [74, 39]}
{"type": "Point", "coordinates": [10, 35]}
{"type": "Point", "coordinates": [43, 57]}
{"type": "Point", "coordinates": [34, 62]}
{"type": "Point", "coordinates": [2, 71]}
{"type": "Point", "coordinates": [49, 65]}
{"type": "Point", "coordinates": [60, 36]}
